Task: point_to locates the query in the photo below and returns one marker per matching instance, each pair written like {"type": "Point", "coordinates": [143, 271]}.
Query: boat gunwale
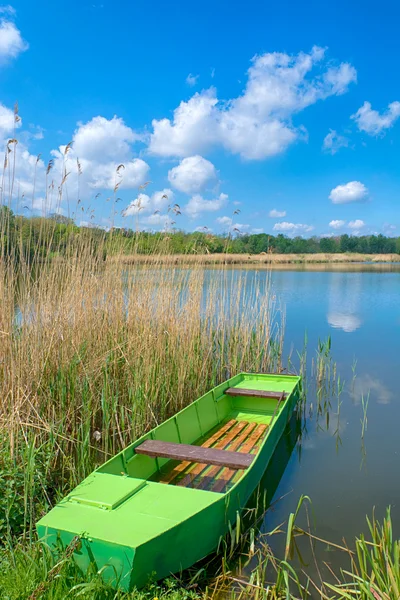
{"type": "Point", "coordinates": [244, 374]}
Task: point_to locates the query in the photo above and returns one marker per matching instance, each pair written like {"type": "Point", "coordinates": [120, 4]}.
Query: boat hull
{"type": "Point", "coordinates": [179, 544]}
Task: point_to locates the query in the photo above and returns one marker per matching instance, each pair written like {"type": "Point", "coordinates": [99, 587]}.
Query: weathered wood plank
{"type": "Point", "coordinates": [226, 474]}
{"type": "Point", "coordinates": [221, 444]}
{"type": "Point", "coordinates": [182, 466]}
{"type": "Point", "coordinates": [210, 475]}
{"type": "Point", "coordinates": [211, 456]}
{"type": "Point", "coordinates": [256, 393]}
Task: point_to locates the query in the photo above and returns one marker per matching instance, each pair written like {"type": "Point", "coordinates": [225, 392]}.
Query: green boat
{"type": "Point", "coordinates": [165, 501]}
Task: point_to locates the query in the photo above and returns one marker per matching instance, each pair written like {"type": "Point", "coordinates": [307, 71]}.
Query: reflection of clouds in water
{"type": "Point", "coordinates": [344, 301]}
{"type": "Point", "coordinates": [334, 427]}
{"type": "Point", "coordinates": [344, 321]}
{"type": "Point", "coordinates": [365, 384]}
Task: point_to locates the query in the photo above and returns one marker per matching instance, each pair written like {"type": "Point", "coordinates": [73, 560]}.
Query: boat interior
{"type": "Point", "coordinates": [209, 444]}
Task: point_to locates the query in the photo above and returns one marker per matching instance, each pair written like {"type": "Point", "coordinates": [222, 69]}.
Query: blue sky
{"type": "Point", "coordinates": [287, 112]}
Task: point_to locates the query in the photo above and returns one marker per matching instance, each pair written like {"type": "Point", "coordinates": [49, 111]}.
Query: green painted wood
{"type": "Point", "coordinates": [133, 528]}
{"type": "Point", "coordinates": [255, 393]}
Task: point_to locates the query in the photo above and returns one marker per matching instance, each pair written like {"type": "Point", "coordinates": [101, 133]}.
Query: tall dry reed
{"type": "Point", "coordinates": [94, 354]}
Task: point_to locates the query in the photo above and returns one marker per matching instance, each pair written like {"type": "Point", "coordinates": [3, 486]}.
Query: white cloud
{"type": "Point", "coordinates": [191, 131]}
{"type": "Point", "coordinates": [11, 41]}
{"type": "Point", "coordinates": [103, 148]}
{"type": "Point", "coordinates": [197, 205]}
{"type": "Point", "coordinates": [374, 123]}
{"type": "Point", "coordinates": [333, 142]}
{"type": "Point", "coordinates": [147, 204]}
{"type": "Point", "coordinates": [228, 224]}
{"type": "Point", "coordinates": [158, 220]}
{"type": "Point", "coordinates": [354, 191]}
{"type": "Point", "coordinates": [258, 123]}
{"type": "Point", "coordinates": [256, 230]}
{"type": "Point", "coordinates": [102, 139]}
{"type": "Point", "coordinates": [225, 221]}
{"type": "Point", "coordinates": [105, 176]}
{"type": "Point", "coordinates": [240, 227]}
{"type": "Point", "coordinates": [192, 79]}
{"type": "Point", "coordinates": [102, 145]}
{"type": "Point", "coordinates": [192, 174]}
{"type": "Point", "coordinates": [7, 121]}
{"type": "Point", "coordinates": [292, 228]}
{"type": "Point", "coordinates": [357, 224]}
{"type": "Point", "coordinates": [337, 224]}
{"type": "Point", "coordinates": [277, 214]}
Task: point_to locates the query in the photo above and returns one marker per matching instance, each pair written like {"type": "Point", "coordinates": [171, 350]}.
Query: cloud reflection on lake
{"type": "Point", "coordinates": [344, 302]}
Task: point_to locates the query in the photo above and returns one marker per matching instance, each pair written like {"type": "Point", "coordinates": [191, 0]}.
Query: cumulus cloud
{"type": "Point", "coordinates": [333, 142]}
{"type": "Point", "coordinates": [225, 221]}
{"type": "Point", "coordinates": [229, 225]}
{"type": "Point", "coordinates": [258, 123]}
{"type": "Point", "coordinates": [192, 79]}
{"type": "Point", "coordinates": [198, 205]}
{"type": "Point", "coordinates": [337, 224]}
{"type": "Point", "coordinates": [102, 139]}
{"type": "Point", "coordinates": [147, 204]}
{"type": "Point", "coordinates": [100, 157]}
{"type": "Point", "coordinates": [354, 191]}
{"type": "Point", "coordinates": [11, 40]}
{"type": "Point", "coordinates": [191, 131]}
{"type": "Point", "coordinates": [292, 228]}
{"type": "Point", "coordinates": [7, 121]}
{"type": "Point", "coordinates": [192, 174]}
{"type": "Point", "coordinates": [277, 214]}
{"type": "Point", "coordinates": [374, 123]}
{"type": "Point", "coordinates": [357, 224]}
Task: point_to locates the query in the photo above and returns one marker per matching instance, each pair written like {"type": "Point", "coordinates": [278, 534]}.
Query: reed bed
{"type": "Point", "coordinates": [95, 354]}
{"type": "Point", "coordinates": [263, 259]}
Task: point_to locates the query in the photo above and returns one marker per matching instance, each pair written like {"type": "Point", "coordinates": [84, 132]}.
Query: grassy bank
{"type": "Point", "coordinates": [262, 260]}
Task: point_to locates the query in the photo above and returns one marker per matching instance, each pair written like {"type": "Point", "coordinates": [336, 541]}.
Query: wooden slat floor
{"type": "Point", "coordinates": [239, 436]}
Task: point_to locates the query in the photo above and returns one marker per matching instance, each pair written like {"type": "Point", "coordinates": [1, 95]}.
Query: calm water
{"type": "Point", "coordinates": [345, 476]}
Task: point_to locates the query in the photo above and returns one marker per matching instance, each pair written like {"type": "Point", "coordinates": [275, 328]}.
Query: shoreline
{"type": "Point", "coordinates": [261, 260]}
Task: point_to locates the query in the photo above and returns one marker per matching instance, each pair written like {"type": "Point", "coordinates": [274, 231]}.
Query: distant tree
{"type": "Point", "coordinates": [61, 219]}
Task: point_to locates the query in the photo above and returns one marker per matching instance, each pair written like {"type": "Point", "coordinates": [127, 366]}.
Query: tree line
{"type": "Point", "coordinates": [39, 236]}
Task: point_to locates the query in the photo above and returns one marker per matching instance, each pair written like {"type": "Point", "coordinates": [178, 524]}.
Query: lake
{"type": "Point", "coordinates": [344, 475]}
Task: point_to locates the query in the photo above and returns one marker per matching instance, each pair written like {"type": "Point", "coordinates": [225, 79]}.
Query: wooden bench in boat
{"type": "Point", "coordinates": [255, 393]}
{"type": "Point", "coordinates": [235, 436]}
{"type": "Point", "coordinates": [197, 454]}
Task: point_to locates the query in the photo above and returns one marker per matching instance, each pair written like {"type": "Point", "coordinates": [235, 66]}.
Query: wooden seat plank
{"type": "Point", "coordinates": [221, 444]}
{"type": "Point", "coordinates": [182, 466]}
{"type": "Point", "coordinates": [211, 456]}
{"type": "Point", "coordinates": [210, 475]}
{"type": "Point", "coordinates": [226, 474]}
{"type": "Point", "coordinates": [256, 393]}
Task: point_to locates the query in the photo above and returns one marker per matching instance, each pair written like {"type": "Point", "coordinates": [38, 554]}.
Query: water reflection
{"type": "Point", "coordinates": [344, 301]}
{"type": "Point", "coordinates": [365, 385]}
